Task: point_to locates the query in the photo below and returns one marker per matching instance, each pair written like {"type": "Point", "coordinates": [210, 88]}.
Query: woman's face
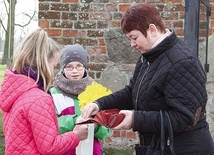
{"type": "Point", "coordinates": [138, 40]}
{"type": "Point", "coordinates": [74, 70]}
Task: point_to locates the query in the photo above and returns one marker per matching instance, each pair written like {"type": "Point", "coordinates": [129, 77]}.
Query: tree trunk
{"type": "Point", "coordinates": [9, 42]}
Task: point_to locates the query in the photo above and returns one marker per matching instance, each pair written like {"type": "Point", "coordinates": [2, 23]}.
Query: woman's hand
{"type": "Point", "coordinates": [90, 110]}
{"type": "Point", "coordinates": [127, 122]}
{"type": "Point", "coordinates": [80, 119]}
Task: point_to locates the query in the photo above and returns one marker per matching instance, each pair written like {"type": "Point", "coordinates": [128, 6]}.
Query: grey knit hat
{"type": "Point", "coordinates": [71, 53]}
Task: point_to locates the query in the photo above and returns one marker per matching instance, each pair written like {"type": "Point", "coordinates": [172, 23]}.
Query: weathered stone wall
{"type": "Point", "coordinates": [210, 78]}
{"type": "Point", "coordinates": [95, 25]}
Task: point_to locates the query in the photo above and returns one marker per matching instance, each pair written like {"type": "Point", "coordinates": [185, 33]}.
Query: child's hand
{"type": "Point", "coordinates": [81, 131]}
{"type": "Point", "coordinates": [80, 119]}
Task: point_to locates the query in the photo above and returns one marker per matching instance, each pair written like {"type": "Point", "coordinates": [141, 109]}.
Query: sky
{"type": "Point", "coordinates": [22, 6]}
{"type": "Point", "coordinates": [26, 6]}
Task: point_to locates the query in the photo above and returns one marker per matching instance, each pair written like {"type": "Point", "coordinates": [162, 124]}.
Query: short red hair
{"type": "Point", "coordinates": [139, 17]}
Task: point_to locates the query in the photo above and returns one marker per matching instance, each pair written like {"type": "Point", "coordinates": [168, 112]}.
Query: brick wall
{"type": "Point", "coordinates": [86, 21]}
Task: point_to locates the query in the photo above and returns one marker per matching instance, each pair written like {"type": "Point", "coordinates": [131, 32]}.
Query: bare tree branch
{"type": "Point", "coordinates": [1, 22]}
{"type": "Point", "coordinates": [5, 5]}
{"type": "Point", "coordinates": [31, 17]}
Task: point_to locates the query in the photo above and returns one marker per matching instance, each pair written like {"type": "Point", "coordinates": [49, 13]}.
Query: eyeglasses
{"type": "Point", "coordinates": [70, 68]}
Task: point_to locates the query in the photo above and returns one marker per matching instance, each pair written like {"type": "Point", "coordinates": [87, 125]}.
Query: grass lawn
{"type": "Point", "coordinates": [118, 152]}
{"type": "Point", "coordinates": [2, 68]}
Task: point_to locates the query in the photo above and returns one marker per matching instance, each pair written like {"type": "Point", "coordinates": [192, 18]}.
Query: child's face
{"type": "Point", "coordinates": [74, 70]}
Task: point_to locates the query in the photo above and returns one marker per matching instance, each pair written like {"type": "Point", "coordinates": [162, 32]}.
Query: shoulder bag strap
{"type": "Point", "coordinates": [170, 130]}
{"type": "Point", "coordinates": [162, 144]}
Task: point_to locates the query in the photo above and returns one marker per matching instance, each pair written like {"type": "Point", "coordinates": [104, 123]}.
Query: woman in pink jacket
{"type": "Point", "coordinates": [29, 119]}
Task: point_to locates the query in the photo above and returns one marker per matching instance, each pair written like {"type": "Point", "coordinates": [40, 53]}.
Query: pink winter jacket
{"type": "Point", "coordinates": [29, 119]}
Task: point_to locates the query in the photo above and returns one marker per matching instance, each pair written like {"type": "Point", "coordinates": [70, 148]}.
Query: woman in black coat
{"type": "Point", "coordinates": [167, 76]}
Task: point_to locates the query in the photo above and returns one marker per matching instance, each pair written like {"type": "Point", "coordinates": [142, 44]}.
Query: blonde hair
{"type": "Point", "coordinates": [37, 50]}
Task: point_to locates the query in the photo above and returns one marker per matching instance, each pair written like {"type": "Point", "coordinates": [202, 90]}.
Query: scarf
{"type": "Point", "coordinates": [71, 88]}
{"type": "Point", "coordinates": [33, 73]}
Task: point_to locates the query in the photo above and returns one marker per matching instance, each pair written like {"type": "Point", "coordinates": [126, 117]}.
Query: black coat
{"type": "Point", "coordinates": [168, 77]}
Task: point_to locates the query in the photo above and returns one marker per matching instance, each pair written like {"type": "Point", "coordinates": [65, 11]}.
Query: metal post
{"type": "Point", "coordinates": [191, 27]}
{"type": "Point", "coordinates": [208, 14]}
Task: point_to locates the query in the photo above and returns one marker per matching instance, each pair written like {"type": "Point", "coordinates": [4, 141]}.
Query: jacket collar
{"type": "Point", "coordinates": [163, 46]}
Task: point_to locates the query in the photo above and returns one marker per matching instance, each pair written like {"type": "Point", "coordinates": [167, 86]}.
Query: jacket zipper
{"type": "Point", "coordinates": [140, 85]}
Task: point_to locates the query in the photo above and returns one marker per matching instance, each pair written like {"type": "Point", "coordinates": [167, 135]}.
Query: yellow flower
{"type": "Point", "coordinates": [92, 93]}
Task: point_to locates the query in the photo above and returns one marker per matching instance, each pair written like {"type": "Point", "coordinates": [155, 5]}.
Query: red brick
{"type": "Point", "coordinates": [59, 7]}
{"type": "Point", "coordinates": [72, 1]}
{"type": "Point", "coordinates": [123, 8]}
{"type": "Point", "coordinates": [52, 32]}
{"type": "Point", "coordinates": [95, 33]}
{"type": "Point", "coordinates": [102, 42]}
{"type": "Point", "coordinates": [168, 23]}
{"type": "Point", "coordinates": [69, 33]}
{"type": "Point", "coordinates": [101, 49]}
{"type": "Point", "coordinates": [49, 15]}
{"type": "Point", "coordinates": [43, 6]}
{"type": "Point", "coordinates": [179, 32]}
{"type": "Point", "coordinates": [116, 134]}
{"type": "Point", "coordinates": [178, 24]}
{"type": "Point", "coordinates": [212, 24]}
{"type": "Point", "coordinates": [44, 23]}
{"type": "Point", "coordinates": [131, 135]}
{"type": "Point", "coordinates": [123, 134]}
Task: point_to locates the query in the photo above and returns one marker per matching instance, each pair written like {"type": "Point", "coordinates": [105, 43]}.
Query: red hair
{"type": "Point", "coordinates": [139, 17]}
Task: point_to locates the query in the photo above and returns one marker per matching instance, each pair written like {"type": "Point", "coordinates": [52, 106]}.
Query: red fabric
{"type": "Point", "coordinates": [97, 147]}
{"type": "Point", "coordinates": [29, 120]}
